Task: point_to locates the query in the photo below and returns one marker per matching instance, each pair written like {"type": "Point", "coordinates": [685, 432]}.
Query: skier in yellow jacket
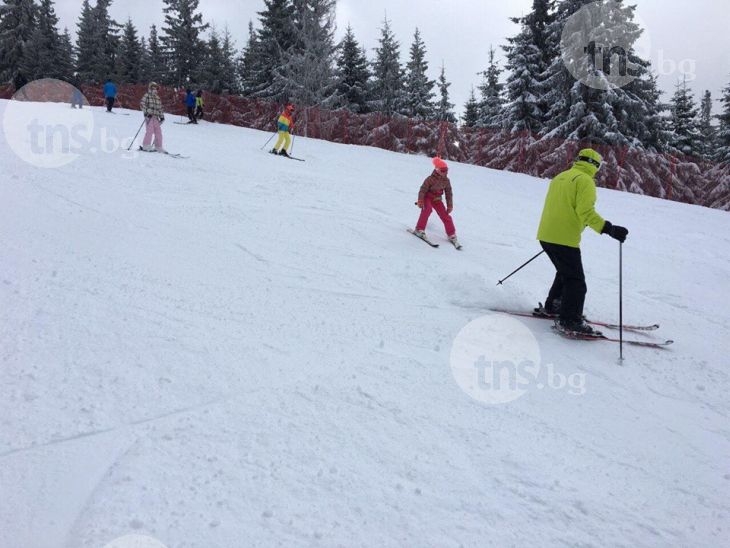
{"type": "Point", "coordinates": [285, 125]}
{"type": "Point", "coordinates": [569, 208]}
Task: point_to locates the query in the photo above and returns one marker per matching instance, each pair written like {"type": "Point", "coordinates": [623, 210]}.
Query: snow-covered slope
{"type": "Point", "coordinates": [241, 350]}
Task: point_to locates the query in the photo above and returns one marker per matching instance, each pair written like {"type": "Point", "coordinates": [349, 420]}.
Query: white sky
{"type": "Point", "coordinates": [693, 36]}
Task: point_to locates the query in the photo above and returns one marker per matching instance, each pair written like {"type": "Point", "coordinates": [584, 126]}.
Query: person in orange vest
{"type": "Point", "coordinates": [285, 125]}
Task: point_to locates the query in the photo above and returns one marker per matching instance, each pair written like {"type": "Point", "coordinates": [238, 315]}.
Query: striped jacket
{"type": "Point", "coordinates": [285, 122]}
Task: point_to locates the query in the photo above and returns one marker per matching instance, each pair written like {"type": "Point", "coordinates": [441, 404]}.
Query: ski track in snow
{"type": "Point", "coordinates": [238, 350]}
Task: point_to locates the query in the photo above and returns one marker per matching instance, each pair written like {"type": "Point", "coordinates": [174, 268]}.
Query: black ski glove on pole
{"type": "Point", "coordinates": [616, 232]}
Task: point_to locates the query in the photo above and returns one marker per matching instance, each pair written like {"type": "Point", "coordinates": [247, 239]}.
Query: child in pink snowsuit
{"type": "Point", "coordinates": [430, 197]}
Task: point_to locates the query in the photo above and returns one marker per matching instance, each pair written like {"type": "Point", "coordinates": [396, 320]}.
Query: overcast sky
{"type": "Point", "coordinates": [690, 36]}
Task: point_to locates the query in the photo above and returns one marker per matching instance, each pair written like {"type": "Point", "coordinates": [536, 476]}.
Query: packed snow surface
{"type": "Point", "coordinates": [237, 349]}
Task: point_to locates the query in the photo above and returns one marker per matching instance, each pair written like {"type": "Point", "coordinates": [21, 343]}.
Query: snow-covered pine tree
{"type": "Point", "coordinates": [248, 69]}
{"type": "Point", "coordinates": [418, 89]}
{"type": "Point", "coordinates": [643, 113]}
{"type": "Point", "coordinates": [353, 74]}
{"type": "Point", "coordinates": [471, 110]}
{"type": "Point", "coordinates": [717, 192]}
{"type": "Point", "coordinates": [210, 70]}
{"type": "Point", "coordinates": [85, 45]}
{"type": "Point", "coordinates": [579, 112]}
{"type": "Point", "coordinates": [307, 76]}
{"type": "Point", "coordinates": [106, 39]}
{"type": "Point", "coordinates": [154, 65]}
{"type": "Point", "coordinates": [96, 42]}
{"type": "Point", "coordinates": [17, 21]}
{"type": "Point", "coordinates": [528, 54]}
{"type": "Point", "coordinates": [181, 39]}
{"type": "Point", "coordinates": [229, 74]}
{"type": "Point", "coordinates": [722, 140]}
{"type": "Point", "coordinates": [46, 55]}
{"type": "Point", "coordinates": [387, 82]}
{"type": "Point", "coordinates": [218, 69]}
{"type": "Point", "coordinates": [66, 59]}
{"type": "Point", "coordinates": [685, 137]}
{"type": "Point", "coordinates": [491, 104]}
{"type": "Point", "coordinates": [129, 58]}
{"type": "Point", "coordinates": [444, 110]}
{"type": "Point", "coordinates": [705, 125]}
{"type": "Point", "coordinates": [265, 55]}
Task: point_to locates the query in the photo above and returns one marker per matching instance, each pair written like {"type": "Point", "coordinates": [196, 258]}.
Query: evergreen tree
{"type": "Point", "coordinates": [265, 55]}
{"type": "Point", "coordinates": [444, 110]}
{"type": "Point", "coordinates": [471, 110]}
{"type": "Point", "coordinates": [529, 55]}
{"type": "Point", "coordinates": [387, 82]}
{"type": "Point", "coordinates": [66, 59]}
{"type": "Point", "coordinates": [97, 42]}
{"type": "Point", "coordinates": [210, 70]}
{"type": "Point", "coordinates": [307, 74]}
{"type": "Point", "coordinates": [705, 125]}
{"type": "Point", "coordinates": [129, 59]}
{"type": "Point", "coordinates": [85, 46]}
{"type": "Point", "coordinates": [155, 64]}
{"type": "Point", "coordinates": [492, 103]}
{"type": "Point", "coordinates": [17, 21]}
{"type": "Point", "coordinates": [418, 92]}
{"type": "Point", "coordinates": [352, 68]}
{"type": "Point", "coordinates": [642, 115]}
{"type": "Point", "coordinates": [46, 54]}
{"type": "Point", "coordinates": [249, 64]}
{"type": "Point", "coordinates": [229, 74]}
{"type": "Point", "coordinates": [181, 39]}
{"type": "Point", "coordinates": [106, 38]}
{"type": "Point", "coordinates": [722, 146]}
{"type": "Point", "coordinates": [685, 137]}
{"type": "Point", "coordinates": [579, 112]}
{"type": "Point", "coordinates": [145, 70]}
{"type": "Point", "coordinates": [218, 70]}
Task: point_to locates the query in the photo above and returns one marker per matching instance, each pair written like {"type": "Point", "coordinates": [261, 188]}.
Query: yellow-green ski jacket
{"type": "Point", "coordinates": [570, 206]}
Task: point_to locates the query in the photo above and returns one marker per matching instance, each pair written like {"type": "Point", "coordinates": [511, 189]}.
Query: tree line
{"type": "Point", "coordinates": [291, 54]}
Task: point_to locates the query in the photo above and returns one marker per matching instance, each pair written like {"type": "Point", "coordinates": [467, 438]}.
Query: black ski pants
{"type": "Point", "coordinates": [569, 285]}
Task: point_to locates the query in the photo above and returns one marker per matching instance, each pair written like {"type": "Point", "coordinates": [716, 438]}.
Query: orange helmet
{"type": "Point", "coordinates": [290, 108]}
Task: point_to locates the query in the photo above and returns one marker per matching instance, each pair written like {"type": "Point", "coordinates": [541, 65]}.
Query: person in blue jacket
{"type": "Point", "coordinates": [190, 104]}
{"type": "Point", "coordinates": [110, 94]}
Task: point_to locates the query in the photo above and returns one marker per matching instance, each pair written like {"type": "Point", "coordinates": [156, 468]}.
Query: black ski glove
{"type": "Point", "coordinates": [616, 232]}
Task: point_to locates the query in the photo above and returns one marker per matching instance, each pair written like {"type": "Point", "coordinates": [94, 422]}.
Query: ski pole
{"type": "Point", "coordinates": [621, 300]}
{"type": "Point", "coordinates": [520, 268]}
{"type": "Point", "coordinates": [291, 148]}
{"type": "Point", "coordinates": [267, 142]}
{"type": "Point", "coordinates": [135, 135]}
